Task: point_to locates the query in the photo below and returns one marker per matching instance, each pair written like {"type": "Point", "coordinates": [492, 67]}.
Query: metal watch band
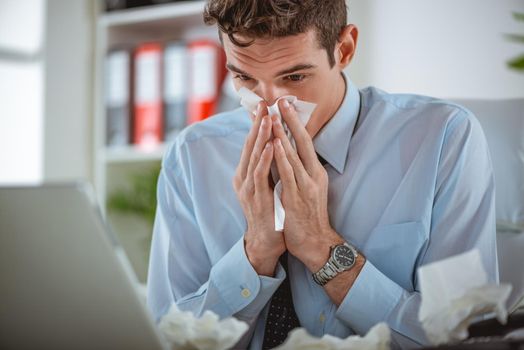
{"type": "Point", "coordinates": [330, 269]}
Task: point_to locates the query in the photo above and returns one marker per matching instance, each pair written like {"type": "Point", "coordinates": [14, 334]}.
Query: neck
{"type": "Point", "coordinates": [320, 118]}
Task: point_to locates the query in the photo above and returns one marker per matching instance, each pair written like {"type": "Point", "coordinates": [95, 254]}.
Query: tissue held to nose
{"type": "Point", "coordinates": [304, 109]}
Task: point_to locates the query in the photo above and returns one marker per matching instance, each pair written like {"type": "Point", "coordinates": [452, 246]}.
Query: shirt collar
{"type": "Point", "coordinates": [332, 141]}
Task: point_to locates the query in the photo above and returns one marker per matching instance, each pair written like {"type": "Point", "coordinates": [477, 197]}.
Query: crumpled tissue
{"type": "Point", "coordinates": [378, 338]}
{"type": "Point", "coordinates": [304, 109]}
{"type": "Point", "coordinates": [455, 292]}
{"type": "Point", "coordinates": [186, 332]}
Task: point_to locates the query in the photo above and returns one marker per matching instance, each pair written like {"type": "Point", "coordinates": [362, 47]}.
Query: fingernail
{"type": "Point", "coordinates": [285, 103]}
{"type": "Point", "coordinates": [268, 145]}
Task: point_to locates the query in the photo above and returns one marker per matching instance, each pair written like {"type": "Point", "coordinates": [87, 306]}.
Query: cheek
{"type": "Point", "coordinates": [313, 91]}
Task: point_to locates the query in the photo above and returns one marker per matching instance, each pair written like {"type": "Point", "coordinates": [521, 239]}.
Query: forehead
{"type": "Point", "coordinates": [268, 54]}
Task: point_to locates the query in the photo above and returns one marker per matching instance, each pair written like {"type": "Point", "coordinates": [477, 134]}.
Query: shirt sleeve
{"type": "Point", "coordinates": [180, 270]}
{"type": "Point", "coordinates": [463, 218]}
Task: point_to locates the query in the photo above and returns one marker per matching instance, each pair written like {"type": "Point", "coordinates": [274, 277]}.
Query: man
{"type": "Point", "coordinates": [379, 185]}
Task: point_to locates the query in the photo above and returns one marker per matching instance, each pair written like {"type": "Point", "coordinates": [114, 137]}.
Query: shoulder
{"type": "Point", "coordinates": [435, 115]}
{"type": "Point", "coordinates": [217, 126]}
{"type": "Point", "coordinates": [217, 131]}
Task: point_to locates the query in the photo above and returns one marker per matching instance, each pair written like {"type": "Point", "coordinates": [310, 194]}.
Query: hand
{"type": "Point", "coordinates": [307, 231]}
{"type": "Point", "coordinates": [252, 185]}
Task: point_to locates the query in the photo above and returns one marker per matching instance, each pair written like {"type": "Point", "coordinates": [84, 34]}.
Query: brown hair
{"type": "Point", "coordinates": [278, 18]}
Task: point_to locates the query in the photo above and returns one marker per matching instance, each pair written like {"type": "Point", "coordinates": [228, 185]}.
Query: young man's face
{"type": "Point", "coordinates": [294, 65]}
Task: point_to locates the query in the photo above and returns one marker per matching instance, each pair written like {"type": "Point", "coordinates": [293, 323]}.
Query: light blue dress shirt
{"type": "Point", "coordinates": [410, 182]}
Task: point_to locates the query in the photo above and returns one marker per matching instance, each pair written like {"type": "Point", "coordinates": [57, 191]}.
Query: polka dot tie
{"type": "Point", "coordinates": [281, 317]}
{"type": "Point", "coordinates": [321, 160]}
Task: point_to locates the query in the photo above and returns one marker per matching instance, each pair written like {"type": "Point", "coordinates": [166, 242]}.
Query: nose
{"type": "Point", "coordinates": [270, 93]}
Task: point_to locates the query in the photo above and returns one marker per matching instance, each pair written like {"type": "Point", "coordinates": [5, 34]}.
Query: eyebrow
{"type": "Point", "coordinates": [302, 66]}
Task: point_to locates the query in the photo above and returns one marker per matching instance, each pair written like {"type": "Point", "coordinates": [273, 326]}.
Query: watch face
{"type": "Point", "coordinates": [344, 256]}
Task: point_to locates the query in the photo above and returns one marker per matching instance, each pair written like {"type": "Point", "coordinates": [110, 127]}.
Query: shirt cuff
{"type": "Point", "coordinates": [239, 285]}
{"type": "Point", "coordinates": [370, 300]}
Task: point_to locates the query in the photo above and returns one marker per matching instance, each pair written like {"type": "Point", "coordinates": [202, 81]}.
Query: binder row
{"type": "Point", "coordinates": [154, 90]}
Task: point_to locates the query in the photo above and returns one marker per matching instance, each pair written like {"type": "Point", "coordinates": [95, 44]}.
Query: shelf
{"type": "Point", "coordinates": [153, 13]}
{"type": "Point", "coordinates": [132, 154]}
{"type": "Point", "coordinates": [159, 23]}
{"type": "Point", "coordinates": [115, 167]}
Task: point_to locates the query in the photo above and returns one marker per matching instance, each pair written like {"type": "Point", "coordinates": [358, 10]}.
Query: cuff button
{"type": "Point", "coordinates": [246, 293]}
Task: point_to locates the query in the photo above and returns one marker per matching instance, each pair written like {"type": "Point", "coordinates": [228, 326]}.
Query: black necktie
{"type": "Point", "coordinates": [281, 317]}
{"type": "Point", "coordinates": [322, 160]}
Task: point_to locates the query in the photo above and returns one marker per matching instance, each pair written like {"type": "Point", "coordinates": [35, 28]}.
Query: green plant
{"type": "Point", "coordinates": [517, 62]}
{"type": "Point", "coordinates": [140, 198]}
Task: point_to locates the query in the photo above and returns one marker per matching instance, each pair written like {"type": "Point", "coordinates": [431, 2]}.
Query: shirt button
{"type": "Point", "coordinates": [246, 293]}
{"type": "Point", "coordinates": [322, 317]}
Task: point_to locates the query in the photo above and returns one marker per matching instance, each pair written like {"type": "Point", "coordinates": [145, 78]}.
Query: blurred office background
{"type": "Point", "coordinates": [80, 80]}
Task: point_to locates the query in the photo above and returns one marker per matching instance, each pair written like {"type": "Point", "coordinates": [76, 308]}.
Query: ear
{"type": "Point", "coordinates": [346, 46]}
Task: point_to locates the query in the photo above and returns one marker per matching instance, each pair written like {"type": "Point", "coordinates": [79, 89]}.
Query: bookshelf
{"type": "Point", "coordinates": [114, 167]}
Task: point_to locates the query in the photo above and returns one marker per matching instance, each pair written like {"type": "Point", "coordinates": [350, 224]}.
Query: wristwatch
{"type": "Point", "coordinates": [342, 257]}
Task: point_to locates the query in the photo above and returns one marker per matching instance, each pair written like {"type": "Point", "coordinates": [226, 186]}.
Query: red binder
{"type": "Point", "coordinates": [207, 72]}
{"type": "Point", "coordinates": [148, 125]}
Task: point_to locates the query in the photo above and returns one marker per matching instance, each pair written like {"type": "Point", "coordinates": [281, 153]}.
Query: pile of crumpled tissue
{"type": "Point", "coordinates": [186, 332]}
{"type": "Point", "coordinates": [377, 338]}
{"type": "Point", "coordinates": [455, 293]}
{"type": "Point", "coordinates": [452, 299]}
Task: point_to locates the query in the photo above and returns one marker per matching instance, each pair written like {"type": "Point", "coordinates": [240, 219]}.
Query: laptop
{"type": "Point", "coordinates": [65, 282]}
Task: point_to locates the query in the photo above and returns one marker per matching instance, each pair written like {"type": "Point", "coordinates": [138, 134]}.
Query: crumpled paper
{"type": "Point", "coordinates": [304, 109]}
{"type": "Point", "coordinates": [378, 338]}
{"type": "Point", "coordinates": [455, 292]}
{"type": "Point", "coordinates": [186, 332]}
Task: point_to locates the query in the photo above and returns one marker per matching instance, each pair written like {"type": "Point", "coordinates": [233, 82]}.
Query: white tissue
{"type": "Point", "coordinates": [304, 109]}
{"type": "Point", "coordinates": [455, 292]}
{"type": "Point", "coordinates": [184, 331]}
{"type": "Point", "coordinates": [378, 338]}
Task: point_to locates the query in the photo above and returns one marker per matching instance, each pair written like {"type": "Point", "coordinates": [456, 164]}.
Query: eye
{"type": "Point", "coordinates": [295, 77]}
{"type": "Point", "coordinates": [242, 77]}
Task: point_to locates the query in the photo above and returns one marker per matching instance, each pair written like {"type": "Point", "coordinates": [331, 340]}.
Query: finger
{"type": "Point", "coordinates": [284, 167]}
{"type": "Point", "coordinates": [263, 136]}
{"type": "Point", "coordinates": [250, 140]}
{"type": "Point", "coordinates": [261, 173]}
{"type": "Point", "coordinates": [304, 143]}
{"type": "Point", "coordinates": [292, 156]}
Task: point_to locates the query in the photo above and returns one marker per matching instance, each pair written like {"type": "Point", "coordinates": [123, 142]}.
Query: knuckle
{"type": "Point", "coordinates": [254, 158]}
{"type": "Point", "coordinates": [243, 195]}
{"type": "Point", "coordinates": [249, 187]}
{"type": "Point", "coordinates": [236, 182]}
{"type": "Point", "coordinates": [323, 175]}
{"type": "Point", "coordinates": [258, 173]}
{"type": "Point", "coordinates": [289, 168]}
{"type": "Point", "coordinates": [320, 173]}
{"type": "Point", "coordinates": [303, 137]}
{"type": "Point", "coordinates": [296, 160]}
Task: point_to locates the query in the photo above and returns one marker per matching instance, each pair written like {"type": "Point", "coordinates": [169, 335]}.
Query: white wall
{"type": "Point", "coordinates": [21, 91]}
{"type": "Point", "coordinates": [445, 48]}
{"type": "Point", "coordinates": [46, 75]}
{"type": "Point", "coordinates": [68, 90]}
